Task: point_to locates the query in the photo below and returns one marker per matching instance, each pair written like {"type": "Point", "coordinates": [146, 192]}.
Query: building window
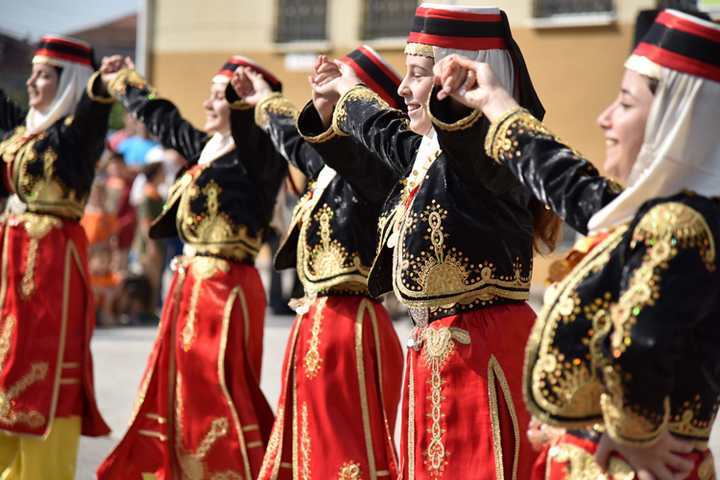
{"type": "Point", "coordinates": [301, 20]}
{"type": "Point", "coordinates": [552, 8]}
{"type": "Point", "coordinates": [387, 18]}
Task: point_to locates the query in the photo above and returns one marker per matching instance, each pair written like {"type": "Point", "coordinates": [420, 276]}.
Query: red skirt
{"type": "Point", "coordinates": [46, 323]}
{"type": "Point", "coordinates": [341, 387]}
{"type": "Point", "coordinates": [572, 457]}
{"type": "Point", "coordinates": [463, 414]}
{"type": "Point", "coordinates": [200, 412]}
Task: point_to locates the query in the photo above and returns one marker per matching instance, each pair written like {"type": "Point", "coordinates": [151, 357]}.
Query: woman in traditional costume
{"type": "Point", "coordinates": [200, 412]}
{"type": "Point", "coordinates": [49, 154]}
{"type": "Point", "coordinates": [456, 246]}
{"type": "Point", "coordinates": [624, 354]}
{"type": "Point", "coordinates": [343, 362]}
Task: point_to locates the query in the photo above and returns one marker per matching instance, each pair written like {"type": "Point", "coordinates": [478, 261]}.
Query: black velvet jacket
{"type": "Point", "coordinates": [629, 339]}
{"type": "Point", "coordinates": [455, 239]}
{"type": "Point", "coordinates": [222, 208]}
{"type": "Point", "coordinates": [331, 240]}
{"type": "Point", "coordinates": [52, 172]}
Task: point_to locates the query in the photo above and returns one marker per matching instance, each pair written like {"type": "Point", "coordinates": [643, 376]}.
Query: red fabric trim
{"type": "Point", "coordinates": [242, 62]}
{"type": "Point", "coordinates": [456, 15]}
{"type": "Point", "coordinates": [53, 39]}
{"type": "Point", "coordinates": [461, 43]}
{"type": "Point", "coordinates": [370, 82]}
{"type": "Point", "coordinates": [677, 62]}
{"type": "Point", "coordinates": [380, 64]}
{"type": "Point", "coordinates": [44, 52]}
{"type": "Point", "coordinates": [688, 26]}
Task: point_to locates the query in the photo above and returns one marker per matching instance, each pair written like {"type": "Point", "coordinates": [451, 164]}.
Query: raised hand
{"type": "Point", "coordinates": [473, 84]}
{"type": "Point", "coordinates": [250, 85]}
{"type": "Point", "coordinates": [324, 96]}
{"type": "Point", "coordinates": [109, 66]}
{"type": "Point", "coordinates": [661, 461]}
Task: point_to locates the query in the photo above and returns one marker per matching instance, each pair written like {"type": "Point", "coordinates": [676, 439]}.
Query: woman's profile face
{"type": "Point", "coordinates": [623, 122]}
{"type": "Point", "coordinates": [42, 86]}
{"type": "Point", "coordinates": [217, 110]}
{"type": "Point", "coordinates": [415, 89]}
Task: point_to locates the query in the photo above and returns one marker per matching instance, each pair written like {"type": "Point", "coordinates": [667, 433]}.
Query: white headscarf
{"type": "Point", "coordinates": [221, 142]}
{"type": "Point", "coordinates": [681, 150]}
{"type": "Point", "coordinates": [72, 84]}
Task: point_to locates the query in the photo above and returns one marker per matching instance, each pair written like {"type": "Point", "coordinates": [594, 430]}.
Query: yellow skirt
{"type": "Point", "coordinates": [32, 458]}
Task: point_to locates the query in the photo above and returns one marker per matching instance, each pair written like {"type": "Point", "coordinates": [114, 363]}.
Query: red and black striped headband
{"type": "Point", "coordinates": [684, 43]}
{"type": "Point", "coordinates": [376, 74]}
{"type": "Point", "coordinates": [65, 49]}
{"type": "Point", "coordinates": [458, 29]}
{"type": "Point", "coordinates": [236, 61]}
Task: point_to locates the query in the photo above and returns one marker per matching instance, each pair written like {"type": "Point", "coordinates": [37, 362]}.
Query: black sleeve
{"type": "Point", "coordinates": [384, 131]}
{"type": "Point", "coordinates": [461, 132]}
{"type": "Point", "coordinates": [669, 254]}
{"type": "Point", "coordinates": [277, 116]}
{"type": "Point", "coordinates": [160, 117]}
{"type": "Point", "coordinates": [11, 115]}
{"type": "Point", "coordinates": [88, 126]}
{"type": "Point", "coordinates": [556, 174]}
{"type": "Point", "coordinates": [369, 177]}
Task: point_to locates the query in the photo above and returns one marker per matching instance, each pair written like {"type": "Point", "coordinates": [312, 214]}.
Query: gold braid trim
{"type": "Point", "coordinates": [357, 93]}
{"type": "Point", "coordinates": [462, 124]}
{"type": "Point", "coordinates": [91, 95]}
{"type": "Point", "coordinates": [276, 104]}
{"type": "Point", "coordinates": [126, 77]}
{"type": "Point", "coordinates": [499, 143]}
{"type": "Point", "coordinates": [420, 50]}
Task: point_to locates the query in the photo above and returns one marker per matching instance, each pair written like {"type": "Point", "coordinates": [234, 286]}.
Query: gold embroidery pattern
{"type": "Point", "coordinates": [192, 464]}
{"type": "Point", "coordinates": [419, 278]}
{"type": "Point", "coordinates": [663, 229]}
{"type": "Point", "coordinates": [36, 226]}
{"type": "Point", "coordinates": [127, 78]}
{"type": "Point", "coordinates": [273, 445]}
{"type": "Point", "coordinates": [202, 269]}
{"type": "Point", "coordinates": [439, 344]}
{"type": "Point", "coordinates": [357, 93]}
{"type": "Point", "coordinates": [706, 470]}
{"type": "Point", "coordinates": [305, 443]}
{"type": "Point", "coordinates": [462, 124]}
{"type": "Point", "coordinates": [274, 104]}
{"type": "Point", "coordinates": [330, 258]}
{"type": "Point", "coordinates": [313, 360]}
{"type": "Point", "coordinates": [420, 50]}
{"type": "Point", "coordinates": [38, 372]}
{"type": "Point", "coordinates": [499, 142]}
{"type": "Point", "coordinates": [212, 231]}
{"type": "Point", "coordinates": [350, 471]}
{"type": "Point", "coordinates": [581, 464]}
{"type": "Point", "coordinates": [558, 385]}
{"type": "Point", "coordinates": [688, 421]}
{"type": "Point", "coordinates": [495, 373]}
{"type": "Point", "coordinates": [365, 306]}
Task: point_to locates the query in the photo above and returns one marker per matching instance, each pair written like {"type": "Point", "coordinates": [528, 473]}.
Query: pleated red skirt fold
{"type": "Point", "coordinates": [341, 387]}
{"type": "Point", "coordinates": [463, 414]}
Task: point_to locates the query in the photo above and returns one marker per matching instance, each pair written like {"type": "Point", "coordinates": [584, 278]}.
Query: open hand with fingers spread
{"type": "Point", "coordinates": [473, 84]}
{"type": "Point", "coordinates": [324, 96]}
{"type": "Point", "coordinates": [661, 461]}
{"type": "Point", "coordinates": [250, 85]}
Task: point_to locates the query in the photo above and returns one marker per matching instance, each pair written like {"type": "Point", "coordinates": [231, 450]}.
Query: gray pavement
{"type": "Point", "coordinates": [120, 355]}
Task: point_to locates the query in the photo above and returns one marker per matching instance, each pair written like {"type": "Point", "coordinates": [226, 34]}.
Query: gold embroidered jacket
{"type": "Point", "coordinates": [52, 171]}
{"type": "Point", "coordinates": [331, 240]}
{"type": "Point", "coordinates": [629, 339]}
{"type": "Point", "coordinates": [456, 238]}
{"type": "Point", "coordinates": [222, 208]}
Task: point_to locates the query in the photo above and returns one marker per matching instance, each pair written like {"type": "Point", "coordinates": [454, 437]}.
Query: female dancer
{"type": "Point", "coordinates": [46, 382]}
{"type": "Point", "coordinates": [200, 412]}
{"type": "Point", "coordinates": [343, 362]}
{"type": "Point", "coordinates": [627, 341]}
{"type": "Point", "coordinates": [456, 247]}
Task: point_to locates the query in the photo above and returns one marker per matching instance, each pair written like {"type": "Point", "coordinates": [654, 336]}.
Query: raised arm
{"type": "Point", "coordinates": [11, 115]}
{"type": "Point", "coordinates": [161, 117]}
